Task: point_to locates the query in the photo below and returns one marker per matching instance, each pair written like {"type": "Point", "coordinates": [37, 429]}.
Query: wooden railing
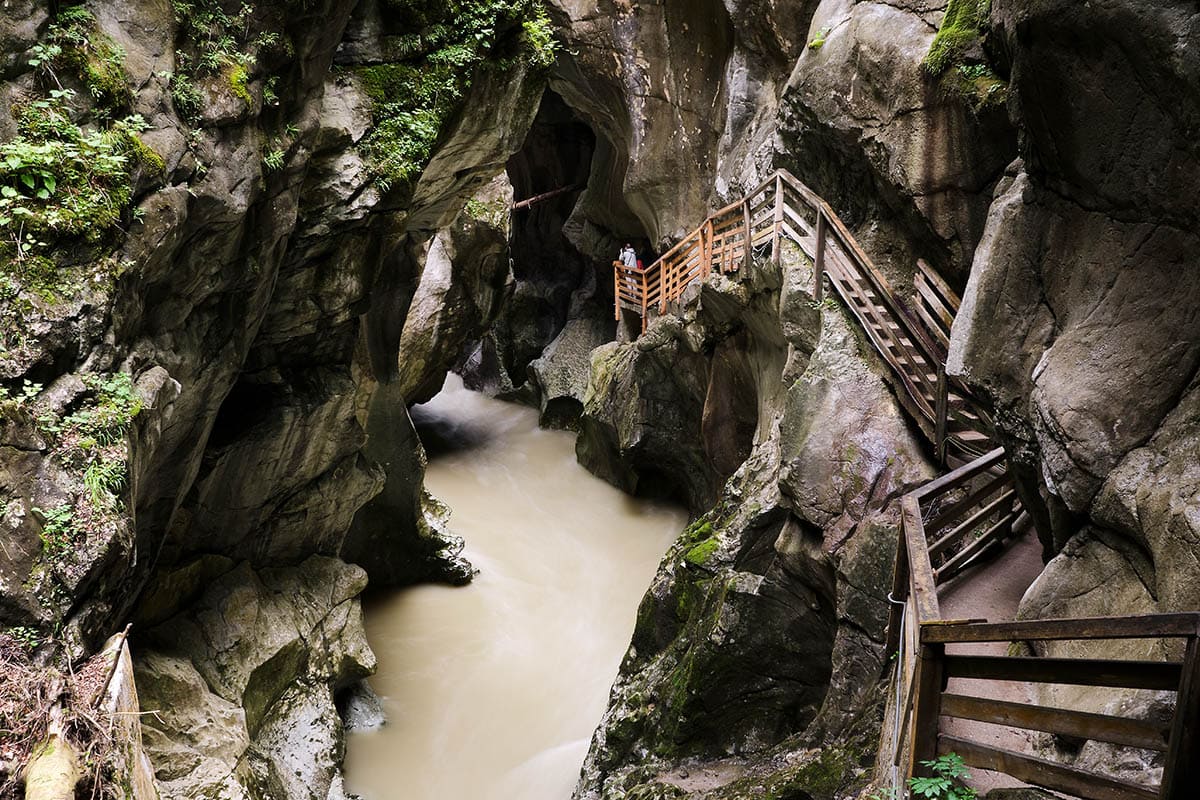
{"type": "Point", "coordinates": [951, 522]}
{"type": "Point", "coordinates": [912, 343]}
{"type": "Point", "coordinates": [948, 523]}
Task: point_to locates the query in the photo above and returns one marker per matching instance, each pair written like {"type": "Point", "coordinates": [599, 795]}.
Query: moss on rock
{"type": "Point", "coordinates": [960, 29]}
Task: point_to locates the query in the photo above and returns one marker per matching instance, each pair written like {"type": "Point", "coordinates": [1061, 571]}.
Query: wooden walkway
{"type": "Point", "coordinates": [911, 337]}
{"type": "Point", "coordinates": [951, 522]}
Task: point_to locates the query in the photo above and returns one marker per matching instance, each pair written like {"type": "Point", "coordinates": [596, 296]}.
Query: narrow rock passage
{"type": "Point", "coordinates": [493, 690]}
{"type": "Point", "coordinates": [993, 591]}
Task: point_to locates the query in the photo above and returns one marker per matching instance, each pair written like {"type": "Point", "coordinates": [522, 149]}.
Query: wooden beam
{"type": "Point", "coordinates": [1181, 773]}
{"type": "Point", "coordinates": [939, 426]}
{"type": "Point", "coordinates": [819, 259]}
{"type": "Point", "coordinates": [961, 475]}
{"type": "Point", "coordinates": [1066, 722]}
{"type": "Point", "coordinates": [924, 590]}
{"type": "Point", "coordinates": [964, 527]}
{"type": "Point", "coordinates": [993, 535]}
{"type": "Point", "coordinates": [926, 708]}
{"type": "Point", "coordinates": [964, 504]}
{"type": "Point", "coordinates": [532, 201]}
{"type": "Point", "coordinates": [898, 594]}
{"type": "Point", "coordinates": [1146, 626]}
{"type": "Point", "coordinates": [777, 223]}
{"type": "Point", "coordinates": [1162, 675]}
{"type": "Point", "coordinates": [747, 234]}
{"type": "Point", "coordinates": [1048, 774]}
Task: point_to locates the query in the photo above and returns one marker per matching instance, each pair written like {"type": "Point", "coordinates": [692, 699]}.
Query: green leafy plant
{"type": "Point", "coordinates": [448, 45]}
{"type": "Point", "coordinates": [220, 42]}
{"type": "Point", "coordinates": [819, 40]}
{"type": "Point", "coordinates": [273, 160]}
{"type": "Point", "coordinates": [76, 44]}
{"type": "Point", "coordinates": [59, 181]}
{"type": "Point", "coordinates": [25, 636]}
{"type": "Point", "coordinates": [58, 529]}
{"type": "Point", "coordinates": [949, 772]}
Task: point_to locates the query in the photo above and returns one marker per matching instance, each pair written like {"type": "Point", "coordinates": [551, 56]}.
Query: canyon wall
{"type": "Point", "coordinates": [207, 354]}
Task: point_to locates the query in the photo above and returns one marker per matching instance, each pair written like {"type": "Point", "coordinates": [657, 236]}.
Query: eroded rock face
{"type": "Point", "coordinates": [245, 701]}
{"type": "Point", "coordinates": [1080, 318]}
{"type": "Point", "coordinates": [900, 157]}
{"type": "Point", "coordinates": [779, 585]}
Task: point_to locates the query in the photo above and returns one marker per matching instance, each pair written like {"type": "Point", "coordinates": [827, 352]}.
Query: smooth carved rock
{"type": "Point", "coordinates": [247, 690]}
{"type": "Point", "coordinates": [561, 374]}
{"type": "Point", "coordinates": [868, 128]}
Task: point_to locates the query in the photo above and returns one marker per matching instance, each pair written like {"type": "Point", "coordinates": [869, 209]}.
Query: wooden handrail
{"type": "Point", "coordinates": [781, 207]}
{"type": "Point", "coordinates": [969, 499]}
{"type": "Point", "coordinates": [975, 500]}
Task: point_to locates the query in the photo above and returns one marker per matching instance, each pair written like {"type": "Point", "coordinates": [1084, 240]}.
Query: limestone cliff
{"type": "Point", "coordinates": [234, 255]}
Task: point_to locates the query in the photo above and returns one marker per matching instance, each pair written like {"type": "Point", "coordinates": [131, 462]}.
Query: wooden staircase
{"type": "Point", "coordinates": [949, 524]}
{"type": "Point", "coordinates": [911, 336]}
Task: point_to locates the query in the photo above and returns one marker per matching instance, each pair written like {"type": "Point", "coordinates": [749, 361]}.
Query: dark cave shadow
{"type": "Point", "coordinates": [444, 435]}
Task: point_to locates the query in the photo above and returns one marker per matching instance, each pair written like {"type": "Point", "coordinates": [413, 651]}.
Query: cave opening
{"type": "Point", "coordinates": [567, 223]}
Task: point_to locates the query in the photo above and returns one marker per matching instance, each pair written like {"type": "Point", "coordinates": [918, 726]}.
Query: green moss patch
{"type": "Point", "coordinates": [449, 43]}
{"type": "Point", "coordinates": [961, 27]}
{"type": "Point", "coordinates": [700, 554]}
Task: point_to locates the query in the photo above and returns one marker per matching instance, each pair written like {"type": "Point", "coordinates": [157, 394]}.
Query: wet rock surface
{"type": "Point", "coordinates": [243, 693]}
{"type": "Point", "coordinates": [780, 583]}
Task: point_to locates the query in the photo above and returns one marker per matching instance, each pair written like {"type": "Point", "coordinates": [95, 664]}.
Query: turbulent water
{"type": "Point", "coordinates": [492, 691]}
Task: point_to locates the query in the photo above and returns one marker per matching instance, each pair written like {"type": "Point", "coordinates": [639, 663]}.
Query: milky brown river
{"type": "Point", "coordinates": [492, 691]}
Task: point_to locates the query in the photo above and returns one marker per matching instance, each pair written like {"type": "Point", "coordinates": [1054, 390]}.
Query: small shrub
{"type": "Point", "coordinates": [94, 58]}
{"type": "Point", "coordinates": [414, 97]}
{"type": "Point", "coordinates": [949, 771]}
{"type": "Point", "coordinates": [273, 160]}
{"type": "Point", "coordinates": [59, 181]}
{"type": "Point", "coordinates": [58, 530]}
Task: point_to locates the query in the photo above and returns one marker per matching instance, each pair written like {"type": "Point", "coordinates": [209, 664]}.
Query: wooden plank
{"type": "Point", "coordinates": [1146, 626]}
{"type": "Point", "coordinates": [926, 708]}
{"type": "Point", "coordinates": [993, 535]}
{"type": "Point", "coordinates": [921, 579]}
{"type": "Point", "coordinates": [1162, 675]}
{"type": "Point", "coordinates": [801, 241]}
{"type": "Point", "coordinates": [963, 474]}
{"type": "Point", "coordinates": [617, 292]}
{"type": "Point", "coordinates": [800, 222]}
{"type": "Point", "coordinates": [819, 260]}
{"type": "Point", "coordinates": [941, 336]}
{"type": "Point", "coordinates": [898, 594]}
{"type": "Point", "coordinates": [777, 225]}
{"type": "Point", "coordinates": [1063, 721]}
{"type": "Point", "coordinates": [546, 196]}
{"type": "Point", "coordinates": [1047, 774]}
{"type": "Point", "coordinates": [747, 233]}
{"type": "Point", "coordinates": [1181, 773]}
{"type": "Point", "coordinates": [934, 304]}
{"type": "Point", "coordinates": [942, 394]}
{"type": "Point", "coordinates": [949, 295]}
{"type": "Point", "coordinates": [964, 527]}
{"type": "Point", "coordinates": [965, 503]}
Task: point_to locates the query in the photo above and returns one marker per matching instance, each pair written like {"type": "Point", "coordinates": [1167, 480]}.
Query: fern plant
{"type": "Point", "coordinates": [949, 772]}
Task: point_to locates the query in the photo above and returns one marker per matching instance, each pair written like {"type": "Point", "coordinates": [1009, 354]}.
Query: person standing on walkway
{"type": "Point", "coordinates": [628, 256]}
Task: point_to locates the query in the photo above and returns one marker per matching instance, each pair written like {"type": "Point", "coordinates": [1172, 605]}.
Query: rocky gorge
{"type": "Point", "coordinates": [242, 240]}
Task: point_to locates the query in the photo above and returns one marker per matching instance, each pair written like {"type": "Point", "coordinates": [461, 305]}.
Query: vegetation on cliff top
{"type": "Point", "coordinates": [413, 98]}
{"type": "Point", "coordinates": [68, 176]}
{"type": "Point", "coordinates": [963, 26]}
